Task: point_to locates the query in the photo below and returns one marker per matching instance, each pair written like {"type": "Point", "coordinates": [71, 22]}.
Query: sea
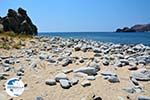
{"type": "Point", "coordinates": [113, 37]}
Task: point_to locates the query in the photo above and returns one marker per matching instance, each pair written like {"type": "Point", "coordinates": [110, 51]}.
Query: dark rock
{"type": "Point", "coordinates": [18, 22]}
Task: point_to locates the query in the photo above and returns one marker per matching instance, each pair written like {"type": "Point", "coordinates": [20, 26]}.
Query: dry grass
{"type": "Point", "coordinates": [10, 40]}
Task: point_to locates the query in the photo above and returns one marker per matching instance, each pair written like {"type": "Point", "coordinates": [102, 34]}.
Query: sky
{"type": "Point", "coordinates": [81, 15]}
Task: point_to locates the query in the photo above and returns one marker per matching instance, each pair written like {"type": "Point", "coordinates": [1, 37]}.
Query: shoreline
{"type": "Point", "coordinates": [76, 69]}
{"type": "Point", "coordinates": [122, 38]}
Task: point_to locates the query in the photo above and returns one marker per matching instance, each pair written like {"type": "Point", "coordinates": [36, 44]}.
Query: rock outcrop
{"type": "Point", "coordinates": [18, 22]}
{"type": "Point", "coordinates": [136, 28]}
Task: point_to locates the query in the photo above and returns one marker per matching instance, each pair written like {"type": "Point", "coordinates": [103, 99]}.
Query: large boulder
{"type": "Point", "coordinates": [18, 22]}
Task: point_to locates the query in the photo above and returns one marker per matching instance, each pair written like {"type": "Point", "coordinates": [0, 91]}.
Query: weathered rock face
{"type": "Point", "coordinates": [136, 28]}
{"type": "Point", "coordinates": [18, 22]}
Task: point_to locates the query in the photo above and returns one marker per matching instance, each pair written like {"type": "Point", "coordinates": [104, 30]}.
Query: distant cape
{"type": "Point", "coordinates": [136, 28]}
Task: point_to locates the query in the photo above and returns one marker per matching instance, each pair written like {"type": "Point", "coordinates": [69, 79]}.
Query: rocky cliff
{"type": "Point", "coordinates": [136, 28]}
{"type": "Point", "coordinates": [18, 22]}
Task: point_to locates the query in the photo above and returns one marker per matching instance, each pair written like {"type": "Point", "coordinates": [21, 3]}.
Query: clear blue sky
{"type": "Point", "coordinates": [81, 15]}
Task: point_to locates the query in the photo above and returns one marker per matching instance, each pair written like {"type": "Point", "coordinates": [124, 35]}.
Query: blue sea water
{"type": "Point", "coordinates": [122, 38]}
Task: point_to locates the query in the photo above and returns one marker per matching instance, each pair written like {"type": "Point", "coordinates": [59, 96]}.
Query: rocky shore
{"type": "Point", "coordinates": [54, 68]}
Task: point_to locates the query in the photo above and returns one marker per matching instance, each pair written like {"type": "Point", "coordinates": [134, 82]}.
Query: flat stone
{"type": "Point", "coordinates": [91, 78]}
{"type": "Point", "coordinates": [134, 81]}
{"type": "Point", "coordinates": [61, 76]}
{"type": "Point", "coordinates": [65, 83]}
{"type": "Point", "coordinates": [134, 89]}
{"type": "Point", "coordinates": [85, 83]}
{"type": "Point", "coordinates": [129, 89]}
{"type": "Point", "coordinates": [39, 98]}
{"type": "Point", "coordinates": [108, 73]}
{"type": "Point", "coordinates": [143, 98]}
{"type": "Point", "coordinates": [74, 81]}
{"type": "Point", "coordinates": [141, 75]}
{"type": "Point", "coordinates": [80, 74]}
{"type": "Point", "coordinates": [50, 82]}
{"type": "Point", "coordinates": [87, 70]}
{"type": "Point", "coordinates": [66, 71]}
{"type": "Point", "coordinates": [113, 79]}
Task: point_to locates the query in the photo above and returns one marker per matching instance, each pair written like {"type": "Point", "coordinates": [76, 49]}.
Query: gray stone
{"type": "Point", "coordinates": [74, 81]}
{"type": "Point", "coordinates": [129, 89]}
{"type": "Point", "coordinates": [97, 50]}
{"type": "Point", "coordinates": [61, 76]}
{"type": "Point", "coordinates": [85, 83]}
{"type": "Point", "coordinates": [65, 83]}
{"type": "Point", "coordinates": [120, 98]}
{"type": "Point", "coordinates": [78, 47]}
{"type": "Point", "coordinates": [51, 60]}
{"type": "Point", "coordinates": [95, 65]}
{"type": "Point", "coordinates": [20, 73]}
{"type": "Point", "coordinates": [50, 82]}
{"type": "Point", "coordinates": [108, 73]}
{"type": "Point", "coordinates": [97, 55]}
{"type": "Point", "coordinates": [6, 65]}
{"type": "Point", "coordinates": [9, 61]}
{"type": "Point", "coordinates": [43, 56]}
{"type": "Point", "coordinates": [6, 69]}
{"type": "Point", "coordinates": [91, 78]}
{"type": "Point", "coordinates": [33, 65]}
{"type": "Point", "coordinates": [124, 62]}
{"type": "Point", "coordinates": [134, 89]}
{"type": "Point", "coordinates": [66, 62]}
{"type": "Point", "coordinates": [143, 98]}
{"type": "Point", "coordinates": [105, 62]}
{"type": "Point", "coordinates": [113, 79]}
{"type": "Point", "coordinates": [66, 71]}
{"type": "Point", "coordinates": [118, 63]}
{"type": "Point", "coordinates": [39, 98]}
{"type": "Point", "coordinates": [134, 81]}
{"type": "Point", "coordinates": [80, 74]}
{"type": "Point", "coordinates": [87, 70]}
{"type": "Point", "coordinates": [141, 75]}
